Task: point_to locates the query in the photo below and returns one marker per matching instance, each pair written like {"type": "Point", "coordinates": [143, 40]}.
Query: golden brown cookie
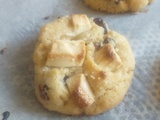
{"type": "Point", "coordinates": [81, 66]}
{"type": "Point", "coordinates": [117, 6]}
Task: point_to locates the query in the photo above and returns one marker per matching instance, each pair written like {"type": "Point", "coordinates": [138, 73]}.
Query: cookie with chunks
{"type": "Point", "coordinates": [118, 6]}
{"type": "Point", "coordinates": [81, 66]}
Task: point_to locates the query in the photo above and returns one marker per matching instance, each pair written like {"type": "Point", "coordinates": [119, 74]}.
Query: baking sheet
{"type": "Point", "coordinates": [20, 22]}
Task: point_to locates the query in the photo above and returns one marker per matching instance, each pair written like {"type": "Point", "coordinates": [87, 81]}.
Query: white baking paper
{"type": "Point", "coordinates": [20, 22]}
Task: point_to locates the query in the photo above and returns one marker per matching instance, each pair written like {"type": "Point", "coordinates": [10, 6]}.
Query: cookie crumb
{"type": "Point", "coordinates": [5, 114]}
{"type": "Point", "coordinates": [46, 18]}
{"type": "Point", "coordinates": [2, 51]}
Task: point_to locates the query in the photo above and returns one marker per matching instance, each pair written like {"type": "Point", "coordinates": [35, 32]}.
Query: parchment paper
{"type": "Point", "coordinates": [20, 22]}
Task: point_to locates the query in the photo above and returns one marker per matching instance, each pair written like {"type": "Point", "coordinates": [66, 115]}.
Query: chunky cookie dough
{"type": "Point", "coordinates": [81, 66]}
{"type": "Point", "coordinates": [117, 6]}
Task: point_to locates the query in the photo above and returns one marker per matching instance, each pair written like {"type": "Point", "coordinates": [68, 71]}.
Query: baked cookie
{"type": "Point", "coordinates": [81, 66]}
{"type": "Point", "coordinates": [117, 6]}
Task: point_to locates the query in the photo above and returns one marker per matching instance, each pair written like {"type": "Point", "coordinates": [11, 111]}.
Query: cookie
{"type": "Point", "coordinates": [118, 6]}
{"type": "Point", "coordinates": [81, 66]}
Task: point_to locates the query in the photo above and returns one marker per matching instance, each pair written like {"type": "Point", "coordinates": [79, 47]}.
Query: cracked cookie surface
{"type": "Point", "coordinates": [81, 66]}
{"type": "Point", "coordinates": [118, 6]}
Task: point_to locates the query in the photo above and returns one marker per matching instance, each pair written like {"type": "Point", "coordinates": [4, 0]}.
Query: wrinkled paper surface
{"type": "Point", "coordinates": [20, 23]}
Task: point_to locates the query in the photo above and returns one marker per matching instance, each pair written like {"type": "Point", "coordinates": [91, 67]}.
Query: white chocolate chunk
{"type": "Point", "coordinates": [66, 53]}
{"type": "Point", "coordinates": [108, 57]}
{"type": "Point", "coordinates": [80, 90]}
{"type": "Point", "coordinates": [80, 23]}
